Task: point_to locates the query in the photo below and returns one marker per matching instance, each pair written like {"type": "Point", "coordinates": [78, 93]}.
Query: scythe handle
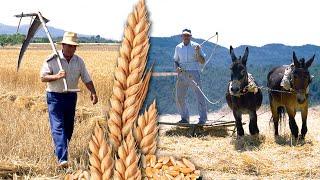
{"type": "Point", "coordinates": [53, 48]}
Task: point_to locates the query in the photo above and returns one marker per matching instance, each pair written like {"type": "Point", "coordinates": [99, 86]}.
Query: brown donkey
{"type": "Point", "coordinates": [291, 101]}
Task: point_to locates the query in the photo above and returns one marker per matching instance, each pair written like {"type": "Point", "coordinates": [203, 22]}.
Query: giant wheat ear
{"type": "Point", "coordinates": [130, 84]}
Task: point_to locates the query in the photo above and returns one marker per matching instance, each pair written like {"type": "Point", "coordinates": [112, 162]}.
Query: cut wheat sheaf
{"type": "Point", "coordinates": [129, 139]}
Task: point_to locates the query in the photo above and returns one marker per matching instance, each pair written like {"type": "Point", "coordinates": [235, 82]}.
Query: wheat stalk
{"type": "Point", "coordinates": [146, 131]}
{"type": "Point", "coordinates": [130, 84]}
{"type": "Point", "coordinates": [101, 158]}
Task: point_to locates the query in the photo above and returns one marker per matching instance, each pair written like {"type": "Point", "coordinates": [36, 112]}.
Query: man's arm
{"type": "Point", "coordinates": [93, 93]}
{"type": "Point", "coordinates": [53, 77]}
{"type": "Point", "coordinates": [86, 79]}
{"type": "Point", "coordinates": [176, 60]}
{"type": "Point", "coordinates": [46, 73]}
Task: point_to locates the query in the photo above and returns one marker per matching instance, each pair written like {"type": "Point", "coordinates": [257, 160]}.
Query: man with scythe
{"type": "Point", "coordinates": [62, 105]}
{"type": "Point", "coordinates": [61, 71]}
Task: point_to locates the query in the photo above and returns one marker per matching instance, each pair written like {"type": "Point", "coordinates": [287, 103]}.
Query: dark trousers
{"type": "Point", "coordinates": [61, 108]}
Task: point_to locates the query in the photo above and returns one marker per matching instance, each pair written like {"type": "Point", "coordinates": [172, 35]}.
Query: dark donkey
{"type": "Point", "coordinates": [292, 101]}
{"type": "Point", "coordinates": [239, 99]}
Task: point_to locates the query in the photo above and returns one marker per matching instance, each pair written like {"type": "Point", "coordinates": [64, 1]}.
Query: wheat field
{"type": "Point", "coordinates": [26, 148]}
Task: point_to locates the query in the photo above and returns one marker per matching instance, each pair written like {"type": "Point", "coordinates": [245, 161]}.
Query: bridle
{"type": "Point", "coordinates": [293, 89]}
{"type": "Point", "coordinates": [243, 83]}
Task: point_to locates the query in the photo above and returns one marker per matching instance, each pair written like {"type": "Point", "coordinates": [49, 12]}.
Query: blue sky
{"type": "Point", "coordinates": [254, 22]}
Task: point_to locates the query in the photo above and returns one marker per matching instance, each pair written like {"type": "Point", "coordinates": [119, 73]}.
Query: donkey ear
{"type": "Point", "coordinates": [233, 56]}
{"type": "Point", "coordinates": [295, 60]}
{"type": "Point", "coordinates": [245, 56]}
{"type": "Point", "coordinates": [310, 61]}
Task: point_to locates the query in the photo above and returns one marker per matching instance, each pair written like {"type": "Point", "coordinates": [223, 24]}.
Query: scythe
{"type": "Point", "coordinates": [40, 20]}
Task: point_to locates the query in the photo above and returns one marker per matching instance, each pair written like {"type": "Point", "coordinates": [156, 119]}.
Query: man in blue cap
{"type": "Point", "coordinates": [188, 56]}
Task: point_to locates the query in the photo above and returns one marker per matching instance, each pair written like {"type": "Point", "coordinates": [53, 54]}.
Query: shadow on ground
{"type": "Point", "coordinates": [288, 140]}
{"type": "Point", "coordinates": [198, 131]}
{"type": "Point", "coordinates": [248, 142]}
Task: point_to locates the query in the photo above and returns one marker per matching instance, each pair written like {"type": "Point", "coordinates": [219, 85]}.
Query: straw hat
{"type": "Point", "coordinates": [70, 38]}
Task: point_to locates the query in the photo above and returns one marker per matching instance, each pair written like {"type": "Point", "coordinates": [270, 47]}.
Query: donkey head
{"type": "Point", "coordinates": [239, 75]}
{"type": "Point", "coordinates": [300, 77]}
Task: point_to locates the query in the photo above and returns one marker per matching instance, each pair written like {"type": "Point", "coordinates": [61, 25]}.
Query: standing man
{"type": "Point", "coordinates": [62, 105]}
{"type": "Point", "coordinates": [188, 56]}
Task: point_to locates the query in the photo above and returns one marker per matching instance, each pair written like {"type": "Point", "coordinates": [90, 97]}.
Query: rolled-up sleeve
{"type": "Point", "coordinates": [85, 77]}
{"type": "Point", "coordinates": [45, 70]}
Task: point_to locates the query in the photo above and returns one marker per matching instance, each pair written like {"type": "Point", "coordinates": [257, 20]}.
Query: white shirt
{"type": "Point", "coordinates": [74, 70]}
{"type": "Point", "coordinates": [185, 55]}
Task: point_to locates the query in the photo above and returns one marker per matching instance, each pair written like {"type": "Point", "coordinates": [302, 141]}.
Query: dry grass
{"type": "Point", "coordinates": [25, 136]}
{"type": "Point", "coordinates": [219, 155]}
{"type": "Point", "coordinates": [100, 64]}
{"type": "Point", "coordinates": [26, 145]}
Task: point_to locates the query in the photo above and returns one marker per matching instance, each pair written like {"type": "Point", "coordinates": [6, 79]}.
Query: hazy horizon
{"type": "Point", "coordinates": [238, 22]}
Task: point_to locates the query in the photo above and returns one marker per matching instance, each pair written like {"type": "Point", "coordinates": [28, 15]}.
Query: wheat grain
{"type": "Point", "coordinates": [169, 168]}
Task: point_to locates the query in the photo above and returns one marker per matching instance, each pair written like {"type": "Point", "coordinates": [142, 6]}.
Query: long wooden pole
{"type": "Point", "coordinates": [53, 48]}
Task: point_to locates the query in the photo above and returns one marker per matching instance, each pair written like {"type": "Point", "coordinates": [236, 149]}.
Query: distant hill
{"type": "Point", "coordinates": [216, 75]}
{"type": "Point", "coordinates": [162, 50]}
{"type": "Point", "coordinates": [55, 33]}
{"type": "Point", "coordinates": [23, 29]}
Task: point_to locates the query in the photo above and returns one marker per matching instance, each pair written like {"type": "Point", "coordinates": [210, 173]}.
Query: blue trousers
{"type": "Point", "coordinates": [182, 85]}
{"type": "Point", "coordinates": [61, 108]}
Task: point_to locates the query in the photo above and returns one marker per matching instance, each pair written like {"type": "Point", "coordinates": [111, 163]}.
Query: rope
{"type": "Point", "coordinates": [274, 90]}
{"type": "Point", "coordinates": [213, 51]}
{"type": "Point", "coordinates": [197, 86]}
{"type": "Point", "coordinates": [213, 103]}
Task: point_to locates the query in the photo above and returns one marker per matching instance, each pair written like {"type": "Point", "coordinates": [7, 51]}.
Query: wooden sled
{"type": "Point", "coordinates": [219, 124]}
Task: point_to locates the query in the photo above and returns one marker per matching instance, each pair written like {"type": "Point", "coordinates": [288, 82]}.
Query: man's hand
{"type": "Point", "coordinates": [179, 70]}
{"type": "Point", "coordinates": [94, 98]}
{"type": "Point", "coordinates": [198, 55]}
{"type": "Point", "coordinates": [197, 48]}
{"type": "Point", "coordinates": [61, 74]}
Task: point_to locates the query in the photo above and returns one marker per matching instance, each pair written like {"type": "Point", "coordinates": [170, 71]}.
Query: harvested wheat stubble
{"type": "Point", "coordinates": [146, 131]}
{"type": "Point", "coordinates": [78, 175]}
{"type": "Point", "coordinates": [101, 157]}
{"type": "Point", "coordinates": [169, 168]}
{"type": "Point", "coordinates": [130, 85]}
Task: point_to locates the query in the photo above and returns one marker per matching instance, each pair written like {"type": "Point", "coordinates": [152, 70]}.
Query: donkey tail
{"type": "Point", "coordinates": [282, 114]}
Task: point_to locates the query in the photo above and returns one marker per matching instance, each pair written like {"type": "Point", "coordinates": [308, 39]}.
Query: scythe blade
{"type": "Point", "coordinates": [31, 32]}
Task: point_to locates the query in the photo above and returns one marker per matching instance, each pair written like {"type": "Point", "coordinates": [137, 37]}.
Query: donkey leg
{"type": "Point", "coordinates": [292, 123]}
{"type": "Point", "coordinates": [304, 129]}
{"type": "Point", "coordinates": [238, 117]}
{"type": "Point", "coordinates": [253, 126]}
{"type": "Point", "coordinates": [275, 119]}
